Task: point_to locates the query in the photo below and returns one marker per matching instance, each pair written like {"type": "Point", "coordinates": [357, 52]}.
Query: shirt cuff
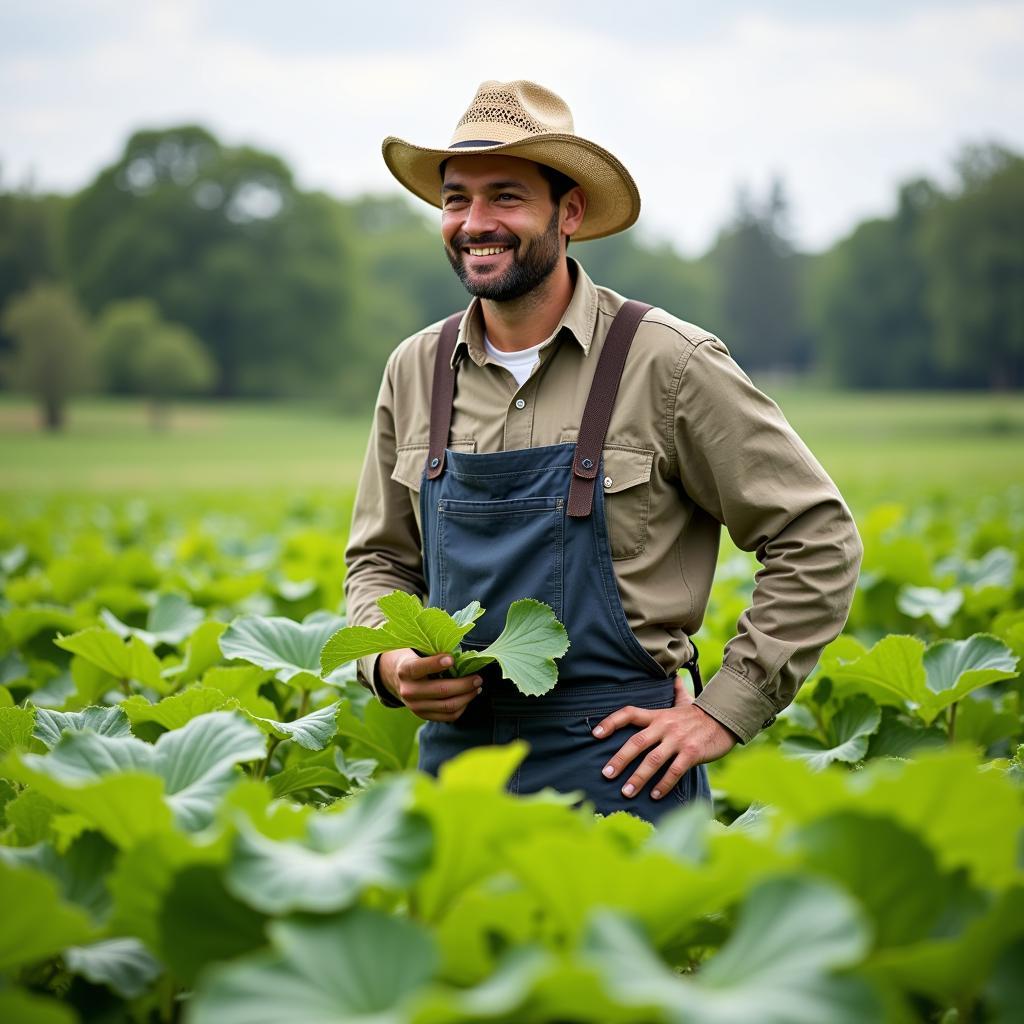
{"type": "Point", "coordinates": [737, 704]}
{"type": "Point", "coordinates": [366, 672]}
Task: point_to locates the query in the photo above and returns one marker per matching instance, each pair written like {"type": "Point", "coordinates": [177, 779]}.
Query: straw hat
{"type": "Point", "coordinates": [526, 120]}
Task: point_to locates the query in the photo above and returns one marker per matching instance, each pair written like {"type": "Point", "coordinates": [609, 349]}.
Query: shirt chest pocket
{"type": "Point", "coordinates": [410, 460]}
{"type": "Point", "coordinates": [626, 482]}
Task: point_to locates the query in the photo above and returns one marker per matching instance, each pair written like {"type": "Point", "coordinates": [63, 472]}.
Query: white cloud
{"type": "Point", "coordinates": [844, 109]}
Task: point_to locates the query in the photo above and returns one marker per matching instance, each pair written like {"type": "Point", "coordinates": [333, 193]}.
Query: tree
{"type": "Point", "coordinates": [758, 290]}
{"type": "Point", "coordinates": [974, 257]}
{"type": "Point", "coordinates": [868, 301]}
{"type": "Point", "coordinates": [172, 363]}
{"type": "Point", "coordinates": [224, 243]}
{"type": "Point", "coordinates": [30, 233]}
{"type": "Point", "coordinates": [53, 357]}
{"type": "Point", "coordinates": [141, 354]}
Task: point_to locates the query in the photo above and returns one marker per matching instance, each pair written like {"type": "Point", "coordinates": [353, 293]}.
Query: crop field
{"type": "Point", "coordinates": [198, 824]}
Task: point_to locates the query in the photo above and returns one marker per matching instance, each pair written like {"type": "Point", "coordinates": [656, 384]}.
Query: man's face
{"type": "Point", "coordinates": [499, 224]}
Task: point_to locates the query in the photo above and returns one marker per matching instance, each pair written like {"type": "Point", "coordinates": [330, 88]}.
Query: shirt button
{"type": "Point", "coordinates": [607, 481]}
{"type": "Point", "coordinates": [520, 404]}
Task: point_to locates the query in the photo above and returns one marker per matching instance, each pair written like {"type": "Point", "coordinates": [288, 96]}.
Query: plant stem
{"type": "Point", "coordinates": [952, 721]}
{"type": "Point", "coordinates": [265, 764]}
{"type": "Point", "coordinates": [303, 703]}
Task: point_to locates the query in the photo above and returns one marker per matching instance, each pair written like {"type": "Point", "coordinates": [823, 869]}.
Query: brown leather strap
{"type": "Point", "coordinates": [598, 411]}
{"type": "Point", "coordinates": [442, 394]}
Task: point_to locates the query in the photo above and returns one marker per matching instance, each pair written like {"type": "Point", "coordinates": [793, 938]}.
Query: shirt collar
{"type": "Point", "coordinates": [579, 319]}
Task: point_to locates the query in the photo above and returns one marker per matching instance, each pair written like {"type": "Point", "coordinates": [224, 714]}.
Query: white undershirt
{"type": "Point", "coordinates": [520, 364]}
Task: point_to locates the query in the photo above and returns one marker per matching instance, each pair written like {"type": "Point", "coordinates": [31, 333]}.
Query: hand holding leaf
{"type": "Point", "coordinates": [525, 650]}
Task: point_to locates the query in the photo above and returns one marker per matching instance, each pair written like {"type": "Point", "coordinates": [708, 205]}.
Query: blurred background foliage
{"type": "Point", "coordinates": [188, 267]}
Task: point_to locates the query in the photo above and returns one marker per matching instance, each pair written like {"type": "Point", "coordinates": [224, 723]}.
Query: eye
{"type": "Point", "coordinates": [453, 198]}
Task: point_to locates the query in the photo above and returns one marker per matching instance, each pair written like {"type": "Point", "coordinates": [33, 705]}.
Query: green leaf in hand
{"type": "Point", "coordinates": [526, 649]}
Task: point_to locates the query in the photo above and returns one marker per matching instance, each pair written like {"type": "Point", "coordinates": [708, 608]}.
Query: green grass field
{"type": "Point", "coordinates": [876, 447]}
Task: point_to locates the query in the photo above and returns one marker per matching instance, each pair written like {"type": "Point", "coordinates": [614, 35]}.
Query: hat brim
{"type": "Point", "coordinates": [613, 201]}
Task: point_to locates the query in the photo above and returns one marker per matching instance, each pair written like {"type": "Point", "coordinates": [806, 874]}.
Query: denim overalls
{"type": "Point", "coordinates": [501, 526]}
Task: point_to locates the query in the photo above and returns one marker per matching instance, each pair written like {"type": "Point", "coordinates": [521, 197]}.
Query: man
{"type": "Point", "coordinates": [561, 443]}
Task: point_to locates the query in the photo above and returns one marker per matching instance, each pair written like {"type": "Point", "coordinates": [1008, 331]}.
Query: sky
{"type": "Point", "coordinates": [842, 101]}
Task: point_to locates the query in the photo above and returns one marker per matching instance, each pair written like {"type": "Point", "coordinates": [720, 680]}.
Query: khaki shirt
{"type": "Point", "coordinates": [692, 446]}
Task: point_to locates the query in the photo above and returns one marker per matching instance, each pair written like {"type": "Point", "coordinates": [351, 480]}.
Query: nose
{"type": "Point", "coordinates": [479, 220]}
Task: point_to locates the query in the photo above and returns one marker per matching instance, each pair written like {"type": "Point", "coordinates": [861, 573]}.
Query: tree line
{"type": "Point", "coordinates": [189, 266]}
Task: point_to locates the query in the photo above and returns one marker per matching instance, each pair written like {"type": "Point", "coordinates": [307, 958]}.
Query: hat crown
{"type": "Point", "coordinates": [510, 111]}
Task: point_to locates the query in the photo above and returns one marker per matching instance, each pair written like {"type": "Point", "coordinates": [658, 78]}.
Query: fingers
{"type": "Point", "coordinates": [416, 667]}
{"type": "Point", "coordinates": [439, 689]}
{"type": "Point", "coordinates": [630, 751]}
{"type": "Point", "coordinates": [446, 708]}
{"type": "Point", "coordinates": [430, 696]}
{"type": "Point", "coordinates": [624, 716]}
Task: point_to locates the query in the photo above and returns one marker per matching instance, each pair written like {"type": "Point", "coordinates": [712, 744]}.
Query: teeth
{"type": "Point", "coordinates": [486, 252]}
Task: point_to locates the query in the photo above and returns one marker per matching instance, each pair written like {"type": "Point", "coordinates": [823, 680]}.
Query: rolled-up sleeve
{"type": "Point", "coordinates": [741, 461]}
{"type": "Point", "coordinates": [383, 552]}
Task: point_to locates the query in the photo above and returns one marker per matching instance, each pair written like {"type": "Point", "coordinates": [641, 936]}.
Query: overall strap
{"type": "Point", "coordinates": [598, 411]}
{"type": "Point", "coordinates": [441, 395]}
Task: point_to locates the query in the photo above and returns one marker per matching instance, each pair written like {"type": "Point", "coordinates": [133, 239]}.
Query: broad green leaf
{"type": "Point", "coordinates": [528, 645]}
{"type": "Point", "coordinates": [198, 763]}
{"type": "Point", "coordinates": [124, 807]}
{"type": "Point", "coordinates": [955, 668]}
{"type": "Point", "coordinates": [362, 967]}
{"type": "Point", "coordinates": [427, 630]}
{"type": "Point", "coordinates": [29, 816]}
{"type": "Point", "coordinates": [124, 965]}
{"type": "Point", "coordinates": [896, 737]}
{"type": "Point", "coordinates": [16, 728]}
{"type": "Point", "coordinates": [848, 734]}
{"type": "Point", "coordinates": [176, 710]}
{"type": "Point", "coordinates": [131, 660]}
{"type": "Point", "coordinates": [892, 672]}
{"type": "Point", "coordinates": [195, 763]}
{"type": "Point", "coordinates": [170, 621]}
{"type": "Point", "coordinates": [969, 819]}
{"type": "Point", "coordinates": [985, 722]}
{"type": "Point", "coordinates": [526, 649]}
{"type": "Point", "coordinates": [201, 922]}
{"type": "Point", "coordinates": [1005, 988]}
{"type": "Point", "coordinates": [106, 721]}
{"type": "Point", "coordinates": [487, 768]}
{"type": "Point", "coordinates": [472, 818]}
{"type": "Point", "coordinates": [241, 681]}
{"type": "Point", "coordinates": [36, 923]}
{"type": "Point", "coordinates": [888, 869]}
{"type": "Point", "coordinates": [202, 652]}
{"type": "Point", "coordinates": [386, 734]}
{"type": "Point", "coordinates": [282, 645]}
{"type": "Point", "coordinates": [374, 842]}
{"type": "Point", "coordinates": [407, 624]}
{"type": "Point", "coordinates": [301, 777]}
{"type": "Point", "coordinates": [995, 569]}
{"type": "Point", "coordinates": [472, 612]}
{"type": "Point", "coordinates": [81, 872]}
{"type": "Point", "coordinates": [29, 1008]}
{"type": "Point", "coordinates": [13, 669]}
{"type": "Point", "coordinates": [953, 968]}
{"type": "Point", "coordinates": [778, 966]}
{"type": "Point", "coordinates": [313, 731]}
{"type": "Point", "coordinates": [143, 875]}
{"type": "Point", "coordinates": [940, 605]}
{"type": "Point", "coordinates": [22, 624]}
{"type": "Point", "coordinates": [478, 922]}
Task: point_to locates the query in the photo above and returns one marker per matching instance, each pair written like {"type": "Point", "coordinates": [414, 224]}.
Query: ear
{"type": "Point", "coordinates": [573, 207]}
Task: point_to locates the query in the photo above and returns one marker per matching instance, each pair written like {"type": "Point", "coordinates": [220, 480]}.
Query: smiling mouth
{"type": "Point", "coordinates": [490, 250]}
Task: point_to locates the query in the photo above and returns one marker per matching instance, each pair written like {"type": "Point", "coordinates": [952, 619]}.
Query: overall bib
{"type": "Point", "coordinates": [531, 523]}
